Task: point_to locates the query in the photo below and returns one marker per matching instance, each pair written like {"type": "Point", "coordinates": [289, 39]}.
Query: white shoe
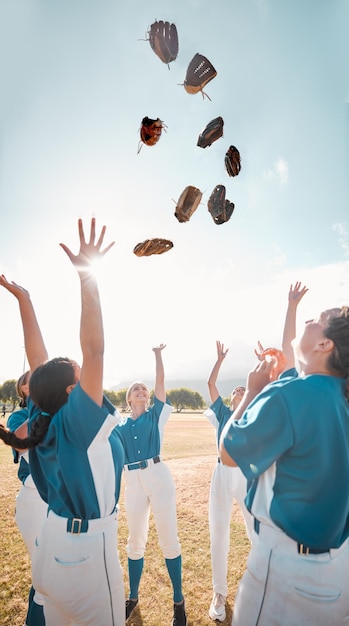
{"type": "Point", "coordinates": [217, 607]}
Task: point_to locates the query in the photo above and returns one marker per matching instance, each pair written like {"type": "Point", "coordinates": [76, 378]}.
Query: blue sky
{"type": "Point", "coordinates": [77, 78]}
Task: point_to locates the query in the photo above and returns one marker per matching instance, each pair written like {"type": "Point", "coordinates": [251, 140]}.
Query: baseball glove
{"type": "Point", "coordinates": [200, 71]}
{"type": "Point", "coordinates": [150, 131]}
{"type": "Point", "coordinates": [152, 246]}
{"type": "Point", "coordinates": [188, 202]}
{"type": "Point", "coordinates": [220, 208]}
{"type": "Point", "coordinates": [163, 39]}
{"type": "Point", "coordinates": [232, 161]}
{"type": "Point", "coordinates": [212, 131]}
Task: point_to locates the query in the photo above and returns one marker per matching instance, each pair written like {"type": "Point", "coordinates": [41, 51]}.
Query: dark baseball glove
{"type": "Point", "coordinates": [232, 161]}
{"type": "Point", "coordinates": [163, 39]}
{"type": "Point", "coordinates": [152, 246]}
{"type": "Point", "coordinates": [188, 202]}
{"type": "Point", "coordinates": [212, 131]}
{"type": "Point", "coordinates": [150, 131]}
{"type": "Point", "coordinates": [199, 72]}
{"type": "Point", "coordinates": [220, 208]}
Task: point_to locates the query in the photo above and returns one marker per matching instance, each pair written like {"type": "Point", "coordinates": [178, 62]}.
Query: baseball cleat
{"type": "Point", "coordinates": [179, 616]}
{"type": "Point", "coordinates": [130, 605]}
{"type": "Point", "coordinates": [217, 608]}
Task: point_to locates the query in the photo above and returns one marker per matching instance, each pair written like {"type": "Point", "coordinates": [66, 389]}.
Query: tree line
{"type": "Point", "coordinates": [180, 399]}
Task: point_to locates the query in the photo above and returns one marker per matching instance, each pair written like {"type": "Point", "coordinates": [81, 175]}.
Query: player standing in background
{"type": "Point", "coordinates": [291, 441]}
{"type": "Point", "coordinates": [31, 510]}
{"type": "Point", "coordinates": [227, 483]}
{"type": "Point", "coordinates": [148, 484]}
{"type": "Point", "coordinates": [76, 460]}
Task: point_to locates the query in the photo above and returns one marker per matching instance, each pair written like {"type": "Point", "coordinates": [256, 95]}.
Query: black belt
{"type": "Point", "coordinates": [302, 549]}
{"type": "Point", "coordinates": [143, 464]}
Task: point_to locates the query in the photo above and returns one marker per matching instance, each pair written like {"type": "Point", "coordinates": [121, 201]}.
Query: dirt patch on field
{"type": "Point", "coordinates": [192, 476]}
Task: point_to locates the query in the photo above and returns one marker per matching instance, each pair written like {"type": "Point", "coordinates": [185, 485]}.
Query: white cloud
{"type": "Point", "coordinates": [279, 257]}
{"type": "Point", "coordinates": [278, 172]}
{"type": "Point", "coordinates": [188, 316]}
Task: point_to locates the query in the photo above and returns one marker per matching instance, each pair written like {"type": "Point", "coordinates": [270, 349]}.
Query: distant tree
{"type": "Point", "coordinates": [111, 395]}
{"type": "Point", "coordinates": [117, 398]}
{"type": "Point", "coordinates": [8, 393]}
{"type": "Point", "coordinates": [184, 398]}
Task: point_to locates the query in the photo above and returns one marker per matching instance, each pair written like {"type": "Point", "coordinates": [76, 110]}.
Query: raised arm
{"type": "Point", "coordinates": [257, 379]}
{"type": "Point", "coordinates": [212, 388]}
{"type": "Point", "coordinates": [91, 322]}
{"type": "Point", "coordinates": [159, 390]}
{"type": "Point", "coordinates": [33, 341]}
{"type": "Point", "coordinates": [295, 295]}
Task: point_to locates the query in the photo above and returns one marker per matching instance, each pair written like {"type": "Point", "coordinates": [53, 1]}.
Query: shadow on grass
{"type": "Point", "coordinates": [136, 618]}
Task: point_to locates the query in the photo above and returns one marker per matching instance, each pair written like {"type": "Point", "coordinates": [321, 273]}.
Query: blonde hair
{"type": "Point", "coordinates": [23, 380]}
{"type": "Point", "coordinates": [132, 385]}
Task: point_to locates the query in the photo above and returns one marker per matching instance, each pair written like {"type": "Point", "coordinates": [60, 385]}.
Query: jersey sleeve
{"type": "Point", "coordinates": [16, 419]}
{"type": "Point", "coordinates": [81, 418]}
{"type": "Point", "coordinates": [221, 411]}
{"type": "Point", "coordinates": [262, 435]}
{"type": "Point", "coordinates": [211, 416]}
{"type": "Point", "coordinates": [163, 411]}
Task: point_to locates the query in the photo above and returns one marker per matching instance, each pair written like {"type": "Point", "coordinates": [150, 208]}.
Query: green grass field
{"type": "Point", "coordinates": [190, 452]}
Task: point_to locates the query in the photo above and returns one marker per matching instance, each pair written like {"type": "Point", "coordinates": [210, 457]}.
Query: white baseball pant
{"type": "Point", "coordinates": [30, 514]}
{"type": "Point", "coordinates": [227, 483]}
{"type": "Point", "coordinates": [80, 575]}
{"type": "Point", "coordinates": [151, 487]}
{"type": "Point", "coordinates": [283, 588]}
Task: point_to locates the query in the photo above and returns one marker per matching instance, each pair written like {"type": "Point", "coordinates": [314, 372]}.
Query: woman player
{"type": "Point", "coordinates": [76, 460]}
{"type": "Point", "coordinates": [149, 484]}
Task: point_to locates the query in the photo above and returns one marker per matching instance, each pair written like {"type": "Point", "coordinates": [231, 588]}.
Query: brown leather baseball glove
{"type": "Point", "coordinates": [163, 39]}
{"type": "Point", "coordinates": [150, 131]}
{"type": "Point", "coordinates": [212, 131]}
{"type": "Point", "coordinates": [188, 202]}
{"type": "Point", "coordinates": [152, 246]}
{"type": "Point", "coordinates": [220, 208]}
{"type": "Point", "coordinates": [199, 72]}
{"type": "Point", "coordinates": [232, 161]}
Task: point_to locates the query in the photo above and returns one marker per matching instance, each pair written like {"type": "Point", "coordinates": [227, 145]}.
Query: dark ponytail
{"type": "Point", "coordinates": [38, 431]}
{"type": "Point", "coordinates": [48, 390]}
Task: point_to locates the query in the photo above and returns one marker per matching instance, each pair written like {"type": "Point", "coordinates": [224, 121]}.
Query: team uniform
{"type": "Point", "coordinates": [77, 469]}
{"type": "Point", "coordinates": [227, 483]}
{"type": "Point", "coordinates": [148, 483]}
{"type": "Point", "coordinates": [298, 568]}
{"type": "Point", "coordinates": [30, 513]}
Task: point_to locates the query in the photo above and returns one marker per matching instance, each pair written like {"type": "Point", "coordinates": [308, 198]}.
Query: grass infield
{"type": "Point", "coordinates": [190, 451]}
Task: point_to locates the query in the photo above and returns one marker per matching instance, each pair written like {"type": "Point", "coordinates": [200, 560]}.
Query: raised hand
{"type": "Point", "coordinates": [159, 348]}
{"type": "Point", "coordinates": [221, 353]}
{"type": "Point", "coordinates": [259, 351]}
{"type": "Point", "coordinates": [13, 287]}
{"type": "Point", "coordinates": [260, 376]}
{"type": "Point", "coordinates": [297, 292]}
{"type": "Point", "coordinates": [90, 251]}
